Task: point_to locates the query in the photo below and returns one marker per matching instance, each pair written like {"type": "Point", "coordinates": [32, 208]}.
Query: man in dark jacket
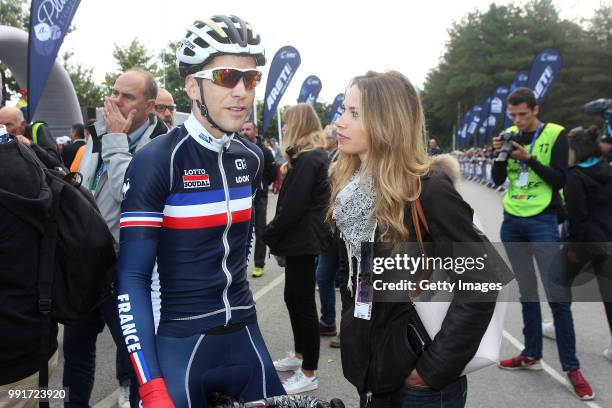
{"type": "Point", "coordinates": [249, 130]}
{"type": "Point", "coordinates": [77, 139]}
{"type": "Point", "coordinates": [37, 136]}
{"type": "Point", "coordinates": [24, 201]}
{"type": "Point", "coordinates": [605, 143]}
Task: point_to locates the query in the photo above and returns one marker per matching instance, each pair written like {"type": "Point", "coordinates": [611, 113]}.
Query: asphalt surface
{"type": "Point", "coordinates": [488, 388]}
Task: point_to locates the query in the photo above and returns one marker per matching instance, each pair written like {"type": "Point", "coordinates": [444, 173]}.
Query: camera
{"type": "Point", "coordinates": [507, 147]}
{"type": "Point", "coordinates": [602, 107]}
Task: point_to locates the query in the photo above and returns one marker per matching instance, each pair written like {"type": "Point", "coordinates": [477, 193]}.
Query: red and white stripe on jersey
{"type": "Point", "coordinates": [141, 219]}
{"type": "Point", "coordinates": [206, 215]}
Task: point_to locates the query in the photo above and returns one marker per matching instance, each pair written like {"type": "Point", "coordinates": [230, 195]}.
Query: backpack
{"type": "Point", "coordinates": [77, 255]}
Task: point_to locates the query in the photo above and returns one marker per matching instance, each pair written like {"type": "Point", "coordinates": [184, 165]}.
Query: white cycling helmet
{"type": "Point", "coordinates": [218, 35]}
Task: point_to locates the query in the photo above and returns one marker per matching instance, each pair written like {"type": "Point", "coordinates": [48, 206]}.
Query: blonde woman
{"type": "Point", "coordinates": [381, 170]}
{"type": "Point", "coordinates": [296, 232]}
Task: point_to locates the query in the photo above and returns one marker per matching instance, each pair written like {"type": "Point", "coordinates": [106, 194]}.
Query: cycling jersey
{"type": "Point", "coordinates": [187, 203]}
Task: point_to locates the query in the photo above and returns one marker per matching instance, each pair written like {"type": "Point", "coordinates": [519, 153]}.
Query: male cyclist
{"type": "Point", "coordinates": [188, 204]}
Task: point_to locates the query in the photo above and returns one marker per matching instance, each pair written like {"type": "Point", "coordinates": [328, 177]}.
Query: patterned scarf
{"type": "Point", "coordinates": [353, 214]}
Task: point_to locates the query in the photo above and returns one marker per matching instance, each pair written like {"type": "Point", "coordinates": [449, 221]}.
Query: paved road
{"type": "Point", "coordinates": [488, 388]}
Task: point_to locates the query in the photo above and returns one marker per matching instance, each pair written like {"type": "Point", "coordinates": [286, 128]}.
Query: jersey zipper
{"type": "Point", "coordinates": [228, 275]}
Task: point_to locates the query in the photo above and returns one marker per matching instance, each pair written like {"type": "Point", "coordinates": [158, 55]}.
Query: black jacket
{"type": "Point", "coordinates": [588, 194]}
{"type": "Point", "coordinates": [24, 203]}
{"type": "Point", "coordinates": [45, 147]}
{"type": "Point", "coordinates": [269, 169]}
{"type": "Point", "coordinates": [298, 227]}
{"type": "Point", "coordinates": [450, 221]}
{"type": "Point", "coordinates": [69, 151]}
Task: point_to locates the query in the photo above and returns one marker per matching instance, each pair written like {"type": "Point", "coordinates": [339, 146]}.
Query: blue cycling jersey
{"type": "Point", "coordinates": [187, 204]}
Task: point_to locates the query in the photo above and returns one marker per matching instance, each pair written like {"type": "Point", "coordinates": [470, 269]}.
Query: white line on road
{"type": "Point", "coordinates": [551, 371]}
{"type": "Point", "coordinates": [268, 287]}
{"type": "Point", "coordinates": [111, 400]}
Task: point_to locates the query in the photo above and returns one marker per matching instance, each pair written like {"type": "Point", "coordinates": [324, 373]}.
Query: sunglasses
{"type": "Point", "coordinates": [229, 77]}
{"type": "Point", "coordinates": [160, 107]}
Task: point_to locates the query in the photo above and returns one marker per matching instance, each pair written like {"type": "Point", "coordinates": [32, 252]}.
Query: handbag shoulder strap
{"type": "Point", "coordinates": [418, 218]}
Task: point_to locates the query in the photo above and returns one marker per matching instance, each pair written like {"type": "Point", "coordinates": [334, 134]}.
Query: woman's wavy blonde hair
{"type": "Point", "coordinates": [393, 119]}
{"type": "Point", "coordinates": [303, 132]}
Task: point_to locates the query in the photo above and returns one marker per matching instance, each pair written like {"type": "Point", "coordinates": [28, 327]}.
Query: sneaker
{"type": "Point", "coordinates": [289, 363]}
{"type": "Point", "coordinates": [520, 362]}
{"type": "Point", "coordinates": [581, 387]}
{"type": "Point", "coordinates": [327, 331]}
{"type": "Point", "coordinates": [298, 383]}
{"type": "Point", "coordinates": [124, 395]}
{"type": "Point", "coordinates": [257, 272]}
{"type": "Point", "coordinates": [548, 330]}
{"type": "Point", "coordinates": [608, 353]}
{"type": "Point", "coordinates": [335, 343]}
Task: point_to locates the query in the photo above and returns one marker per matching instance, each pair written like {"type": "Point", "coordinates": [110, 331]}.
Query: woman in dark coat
{"type": "Point", "coordinates": [588, 194]}
{"type": "Point", "coordinates": [297, 232]}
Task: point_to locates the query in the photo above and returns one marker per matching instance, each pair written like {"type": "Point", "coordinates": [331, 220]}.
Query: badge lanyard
{"type": "Point", "coordinates": [523, 179]}
{"type": "Point", "coordinates": [531, 146]}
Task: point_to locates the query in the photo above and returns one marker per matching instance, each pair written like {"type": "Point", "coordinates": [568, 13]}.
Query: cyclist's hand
{"type": "Point", "coordinates": [154, 394]}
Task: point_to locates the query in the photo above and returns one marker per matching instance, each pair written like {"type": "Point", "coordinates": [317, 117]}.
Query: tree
{"type": "Point", "coordinates": [134, 55]}
{"type": "Point", "coordinates": [88, 92]}
{"type": "Point", "coordinates": [170, 79]}
{"type": "Point", "coordinates": [13, 13]}
{"type": "Point", "coordinates": [486, 49]}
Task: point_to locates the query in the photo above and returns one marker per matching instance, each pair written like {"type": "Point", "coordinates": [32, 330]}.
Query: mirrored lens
{"type": "Point", "coordinates": [228, 78]}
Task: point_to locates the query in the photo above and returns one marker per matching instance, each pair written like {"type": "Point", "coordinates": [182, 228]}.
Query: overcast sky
{"type": "Point", "coordinates": [336, 39]}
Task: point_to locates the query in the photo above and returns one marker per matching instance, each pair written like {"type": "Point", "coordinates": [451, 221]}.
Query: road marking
{"type": "Point", "coordinates": [111, 400]}
{"type": "Point", "coordinates": [551, 371]}
{"type": "Point", "coordinates": [269, 286]}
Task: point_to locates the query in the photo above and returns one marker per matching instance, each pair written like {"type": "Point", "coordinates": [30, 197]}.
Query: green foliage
{"type": "Point", "coordinates": [486, 49]}
{"type": "Point", "coordinates": [88, 92]}
{"type": "Point", "coordinates": [133, 55]}
{"type": "Point", "coordinates": [15, 13]}
{"type": "Point", "coordinates": [170, 78]}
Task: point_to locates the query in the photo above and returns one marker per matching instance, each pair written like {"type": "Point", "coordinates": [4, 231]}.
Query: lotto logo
{"type": "Point", "coordinates": [241, 164]}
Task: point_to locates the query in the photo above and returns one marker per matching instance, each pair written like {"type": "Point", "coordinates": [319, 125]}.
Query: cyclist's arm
{"type": "Point", "coordinates": [146, 188]}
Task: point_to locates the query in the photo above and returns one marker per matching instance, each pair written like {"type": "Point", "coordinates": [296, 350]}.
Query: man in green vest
{"type": "Point", "coordinates": [536, 170]}
{"type": "Point", "coordinates": [37, 135]}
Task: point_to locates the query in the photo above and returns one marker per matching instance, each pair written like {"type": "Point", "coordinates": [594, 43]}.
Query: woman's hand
{"type": "Point", "coordinates": [415, 380]}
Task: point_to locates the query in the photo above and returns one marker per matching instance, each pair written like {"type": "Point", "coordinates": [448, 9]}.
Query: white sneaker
{"type": "Point", "coordinates": [124, 396]}
{"type": "Point", "coordinates": [608, 353]}
{"type": "Point", "coordinates": [298, 383]}
{"type": "Point", "coordinates": [289, 363]}
{"type": "Point", "coordinates": [548, 330]}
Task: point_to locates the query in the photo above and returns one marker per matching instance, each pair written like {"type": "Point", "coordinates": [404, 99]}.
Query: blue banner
{"type": "Point", "coordinates": [284, 64]}
{"type": "Point", "coordinates": [49, 22]}
{"type": "Point", "coordinates": [496, 108]}
{"type": "Point", "coordinates": [473, 122]}
{"type": "Point", "coordinates": [544, 69]}
{"type": "Point", "coordinates": [484, 121]}
{"type": "Point", "coordinates": [520, 79]}
{"type": "Point", "coordinates": [462, 131]}
{"type": "Point", "coordinates": [336, 109]}
{"type": "Point", "coordinates": [310, 90]}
